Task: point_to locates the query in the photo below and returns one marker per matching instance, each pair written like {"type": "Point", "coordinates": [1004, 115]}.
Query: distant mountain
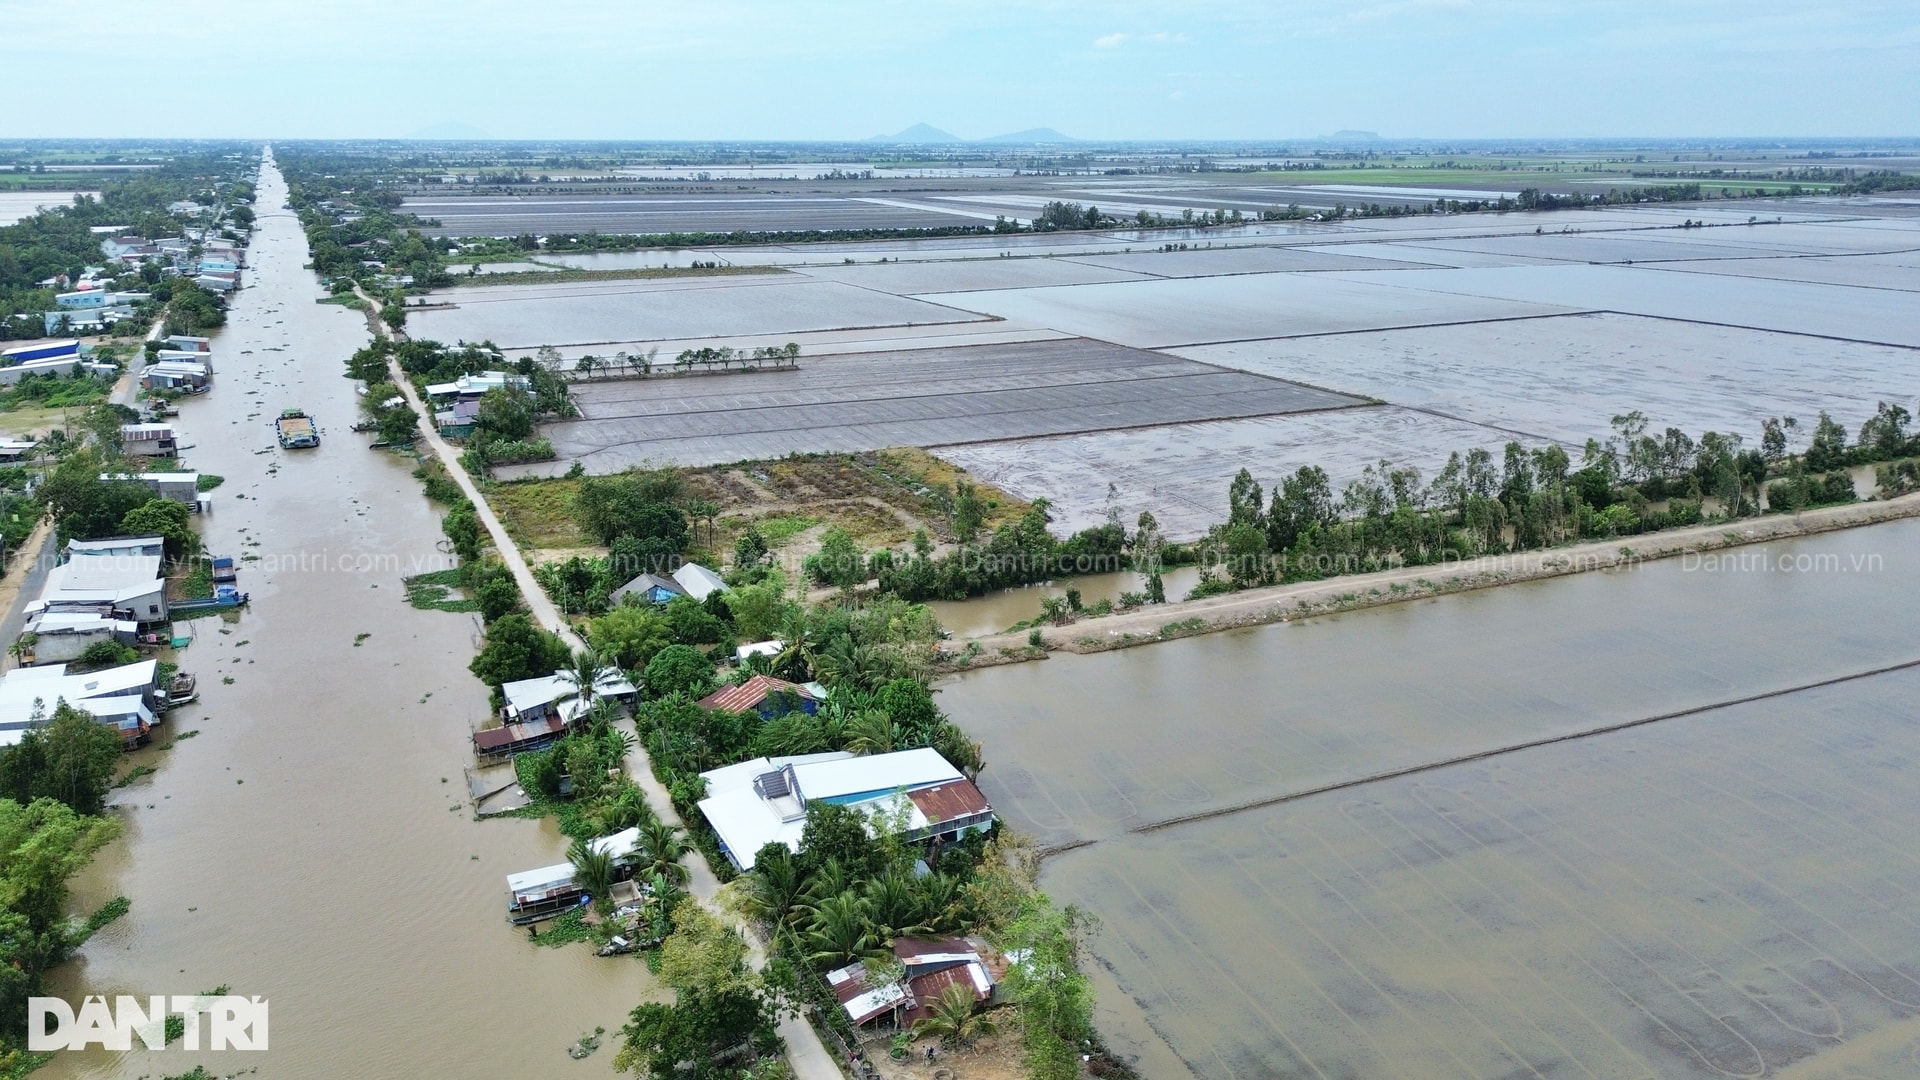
{"type": "Point", "coordinates": [1030, 137]}
{"type": "Point", "coordinates": [448, 130]}
{"type": "Point", "coordinates": [918, 133]}
{"type": "Point", "coordinates": [1351, 135]}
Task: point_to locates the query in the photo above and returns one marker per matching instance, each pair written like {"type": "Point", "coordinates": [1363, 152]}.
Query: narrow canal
{"type": "Point", "coordinates": [313, 843]}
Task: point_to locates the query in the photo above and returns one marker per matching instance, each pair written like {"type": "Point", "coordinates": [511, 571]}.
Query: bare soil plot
{"type": "Point", "coordinates": [1181, 471]}
{"type": "Point", "coordinates": [876, 400]}
{"type": "Point", "coordinates": [1788, 306]}
{"type": "Point", "coordinates": [595, 312]}
{"type": "Point", "coordinates": [906, 278]}
{"type": "Point", "coordinates": [1216, 262]}
{"type": "Point", "coordinates": [1192, 311]}
{"type": "Point", "coordinates": [1564, 378]}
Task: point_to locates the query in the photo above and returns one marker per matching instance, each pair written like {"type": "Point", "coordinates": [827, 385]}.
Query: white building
{"type": "Point", "coordinates": [764, 800]}
{"type": "Point", "coordinates": [65, 635]}
{"type": "Point", "coordinates": [698, 581]}
{"type": "Point", "coordinates": [124, 698]}
{"type": "Point", "coordinates": [129, 584]}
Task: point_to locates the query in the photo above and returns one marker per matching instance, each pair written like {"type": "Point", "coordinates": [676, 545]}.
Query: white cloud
{"type": "Point", "coordinates": [1158, 37]}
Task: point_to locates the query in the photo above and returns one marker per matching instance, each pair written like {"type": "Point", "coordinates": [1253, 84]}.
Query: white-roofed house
{"type": "Point", "coordinates": [763, 801]}
{"type": "Point", "coordinates": [64, 635]}
{"type": "Point", "coordinates": [125, 698]}
{"type": "Point", "coordinates": [129, 586]}
{"type": "Point", "coordinates": [541, 709]}
{"type": "Point", "coordinates": [698, 581]}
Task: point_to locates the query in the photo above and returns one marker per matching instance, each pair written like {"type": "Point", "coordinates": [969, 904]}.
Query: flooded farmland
{"type": "Point", "coordinates": [1725, 892]}
{"type": "Point", "coordinates": [312, 844]}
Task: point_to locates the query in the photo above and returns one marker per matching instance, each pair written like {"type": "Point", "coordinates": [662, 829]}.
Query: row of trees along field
{"type": "Point", "coordinates": [1534, 498]}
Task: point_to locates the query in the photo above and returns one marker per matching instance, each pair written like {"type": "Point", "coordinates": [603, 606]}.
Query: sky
{"type": "Point", "coordinates": [814, 70]}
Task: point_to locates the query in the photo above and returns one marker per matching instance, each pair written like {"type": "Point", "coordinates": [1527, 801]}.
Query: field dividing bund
{"type": "Point", "coordinates": [486, 215]}
{"type": "Point", "coordinates": [871, 401]}
{"type": "Point", "coordinates": [1701, 899]}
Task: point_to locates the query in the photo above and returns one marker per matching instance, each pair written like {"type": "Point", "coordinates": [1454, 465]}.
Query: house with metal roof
{"type": "Point", "coordinates": [124, 698]}
{"type": "Point", "coordinates": [148, 440]}
{"type": "Point", "coordinates": [763, 801]}
{"type": "Point", "coordinates": [698, 581]}
{"type": "Point", "coordinates": [931, 966]}
{"type": "Point", "coordinates": [126, 585]}
{"type": "Point", "coordinates": [540, 710]}
{"type": "Point", "coordinates": [181, 487]}
{"type": "Point", "coordinates": [116, 545]}
{"type": "Point", "coordinates": [763, 694]}
{"type": "Point", "coordinates": [64, 635]}
{"type": "Point", "coordinates": [534, 895]}
{"type": "Point", "coordinates": [650, 589]}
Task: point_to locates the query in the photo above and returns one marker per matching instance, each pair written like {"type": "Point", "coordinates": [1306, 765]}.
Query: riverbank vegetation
{"type": "Point", "coordinates": [53, 789]}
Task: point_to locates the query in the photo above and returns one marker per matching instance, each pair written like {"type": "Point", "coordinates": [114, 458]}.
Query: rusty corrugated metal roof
{"type": "Point", "coordinates": [945, 802]}
{"type": "Point", "coordinates": [748, 695]}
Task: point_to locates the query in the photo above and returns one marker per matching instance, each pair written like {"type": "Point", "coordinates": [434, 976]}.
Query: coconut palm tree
{"type": "Point", "coordinates": [626, 809]}
{"type": "Point", "coordinates": [872, 731]}
{"type": "Point", "coordinates": [893, 903]}
{"type": "Point", "coordinates": [772, 892]}
{"type": "Point", "coordinates": [586, 673]}
{"type": "Point", "coordinates": [840, 931]}
{"type": "Point", "coordinates": [593, 871]}
{"type": "Point", "coordinates": [829, 879]}
{"type": "Point", "coordinates": [952, 1020]}
{"type": "Point", "coordinates": [663, 845]}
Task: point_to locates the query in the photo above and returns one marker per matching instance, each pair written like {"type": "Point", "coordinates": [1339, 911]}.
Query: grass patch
{"type": "Point", "coordinates": [538, 513]}
{"type": "Point", "coordinates": [569, 927]}
{"type": "Point", "coordinates": [208, 481]}
{"type": "Point", "coordinates": [1184, 626]}
{"type": "Point", "coordinates": [197, 582]}
{"type": "Point", "coordinates": [135, 773]}
{"type": "Point", "coordinates": [103, 915]}
{"type": "Point", "coordinates": [434, 592]}
{"type": "Point", "coordinates": [781, 528]}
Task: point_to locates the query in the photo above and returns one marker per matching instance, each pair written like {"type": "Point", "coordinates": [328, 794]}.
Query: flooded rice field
{"type": "Point", "coordinates": [312, 844]}
{"type": "Point", "coordinates": [15, 205]}
{"type": "Point", "coordinates": [1564, 378]}
{"type": "Point", "coordinates": [511, 215]}
{"type": "Point", "coordinates": [1725, 892]}
{"type": "Point", "coordinates": [587, 313]}
{"type": "Point", "coordinates": [968, 275]}
{"type": "Point", "coordinates": [872, 401]}
{"type": "Point", "coordinates": [1195, 311]}
{"type": "Point", "coordinates": [1181, 471]}
{"type": "Point", "coordinates": [1788, 307]}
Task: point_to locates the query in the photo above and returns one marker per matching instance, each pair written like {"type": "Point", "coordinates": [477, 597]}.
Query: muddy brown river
{"type": "Point", "coordinates": [313, 844]}
{"type": "Point", "coordinates": [1728, 892]}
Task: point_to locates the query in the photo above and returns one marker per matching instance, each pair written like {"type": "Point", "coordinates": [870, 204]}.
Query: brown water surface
{"type": "Point", "coordinates": [1730, 892]}
{"type": "Point", "coordinates": [313, 843]}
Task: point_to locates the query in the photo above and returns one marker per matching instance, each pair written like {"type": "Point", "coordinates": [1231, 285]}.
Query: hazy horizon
{"type": "Point", "coordinates": [757, 71]}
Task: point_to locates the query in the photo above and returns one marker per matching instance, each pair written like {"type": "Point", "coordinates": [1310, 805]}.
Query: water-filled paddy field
{"type": "Point", "coordinates": [1729, 891]}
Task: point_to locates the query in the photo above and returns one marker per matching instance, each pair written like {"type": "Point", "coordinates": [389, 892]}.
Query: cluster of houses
{"type": "Point", "coordinates": [183, 362]}
{"type": "Point", "coordinates": [63, 357]}
{"type": "Point", "coordinates": [102, 591]}
{"type": "Point", "coordinates": [212, 263]}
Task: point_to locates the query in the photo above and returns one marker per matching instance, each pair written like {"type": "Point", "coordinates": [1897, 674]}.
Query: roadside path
{"type": "Point", "coordinates": [544, 611]}
{"type": "Point", "coordinates": [805, 1052]}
